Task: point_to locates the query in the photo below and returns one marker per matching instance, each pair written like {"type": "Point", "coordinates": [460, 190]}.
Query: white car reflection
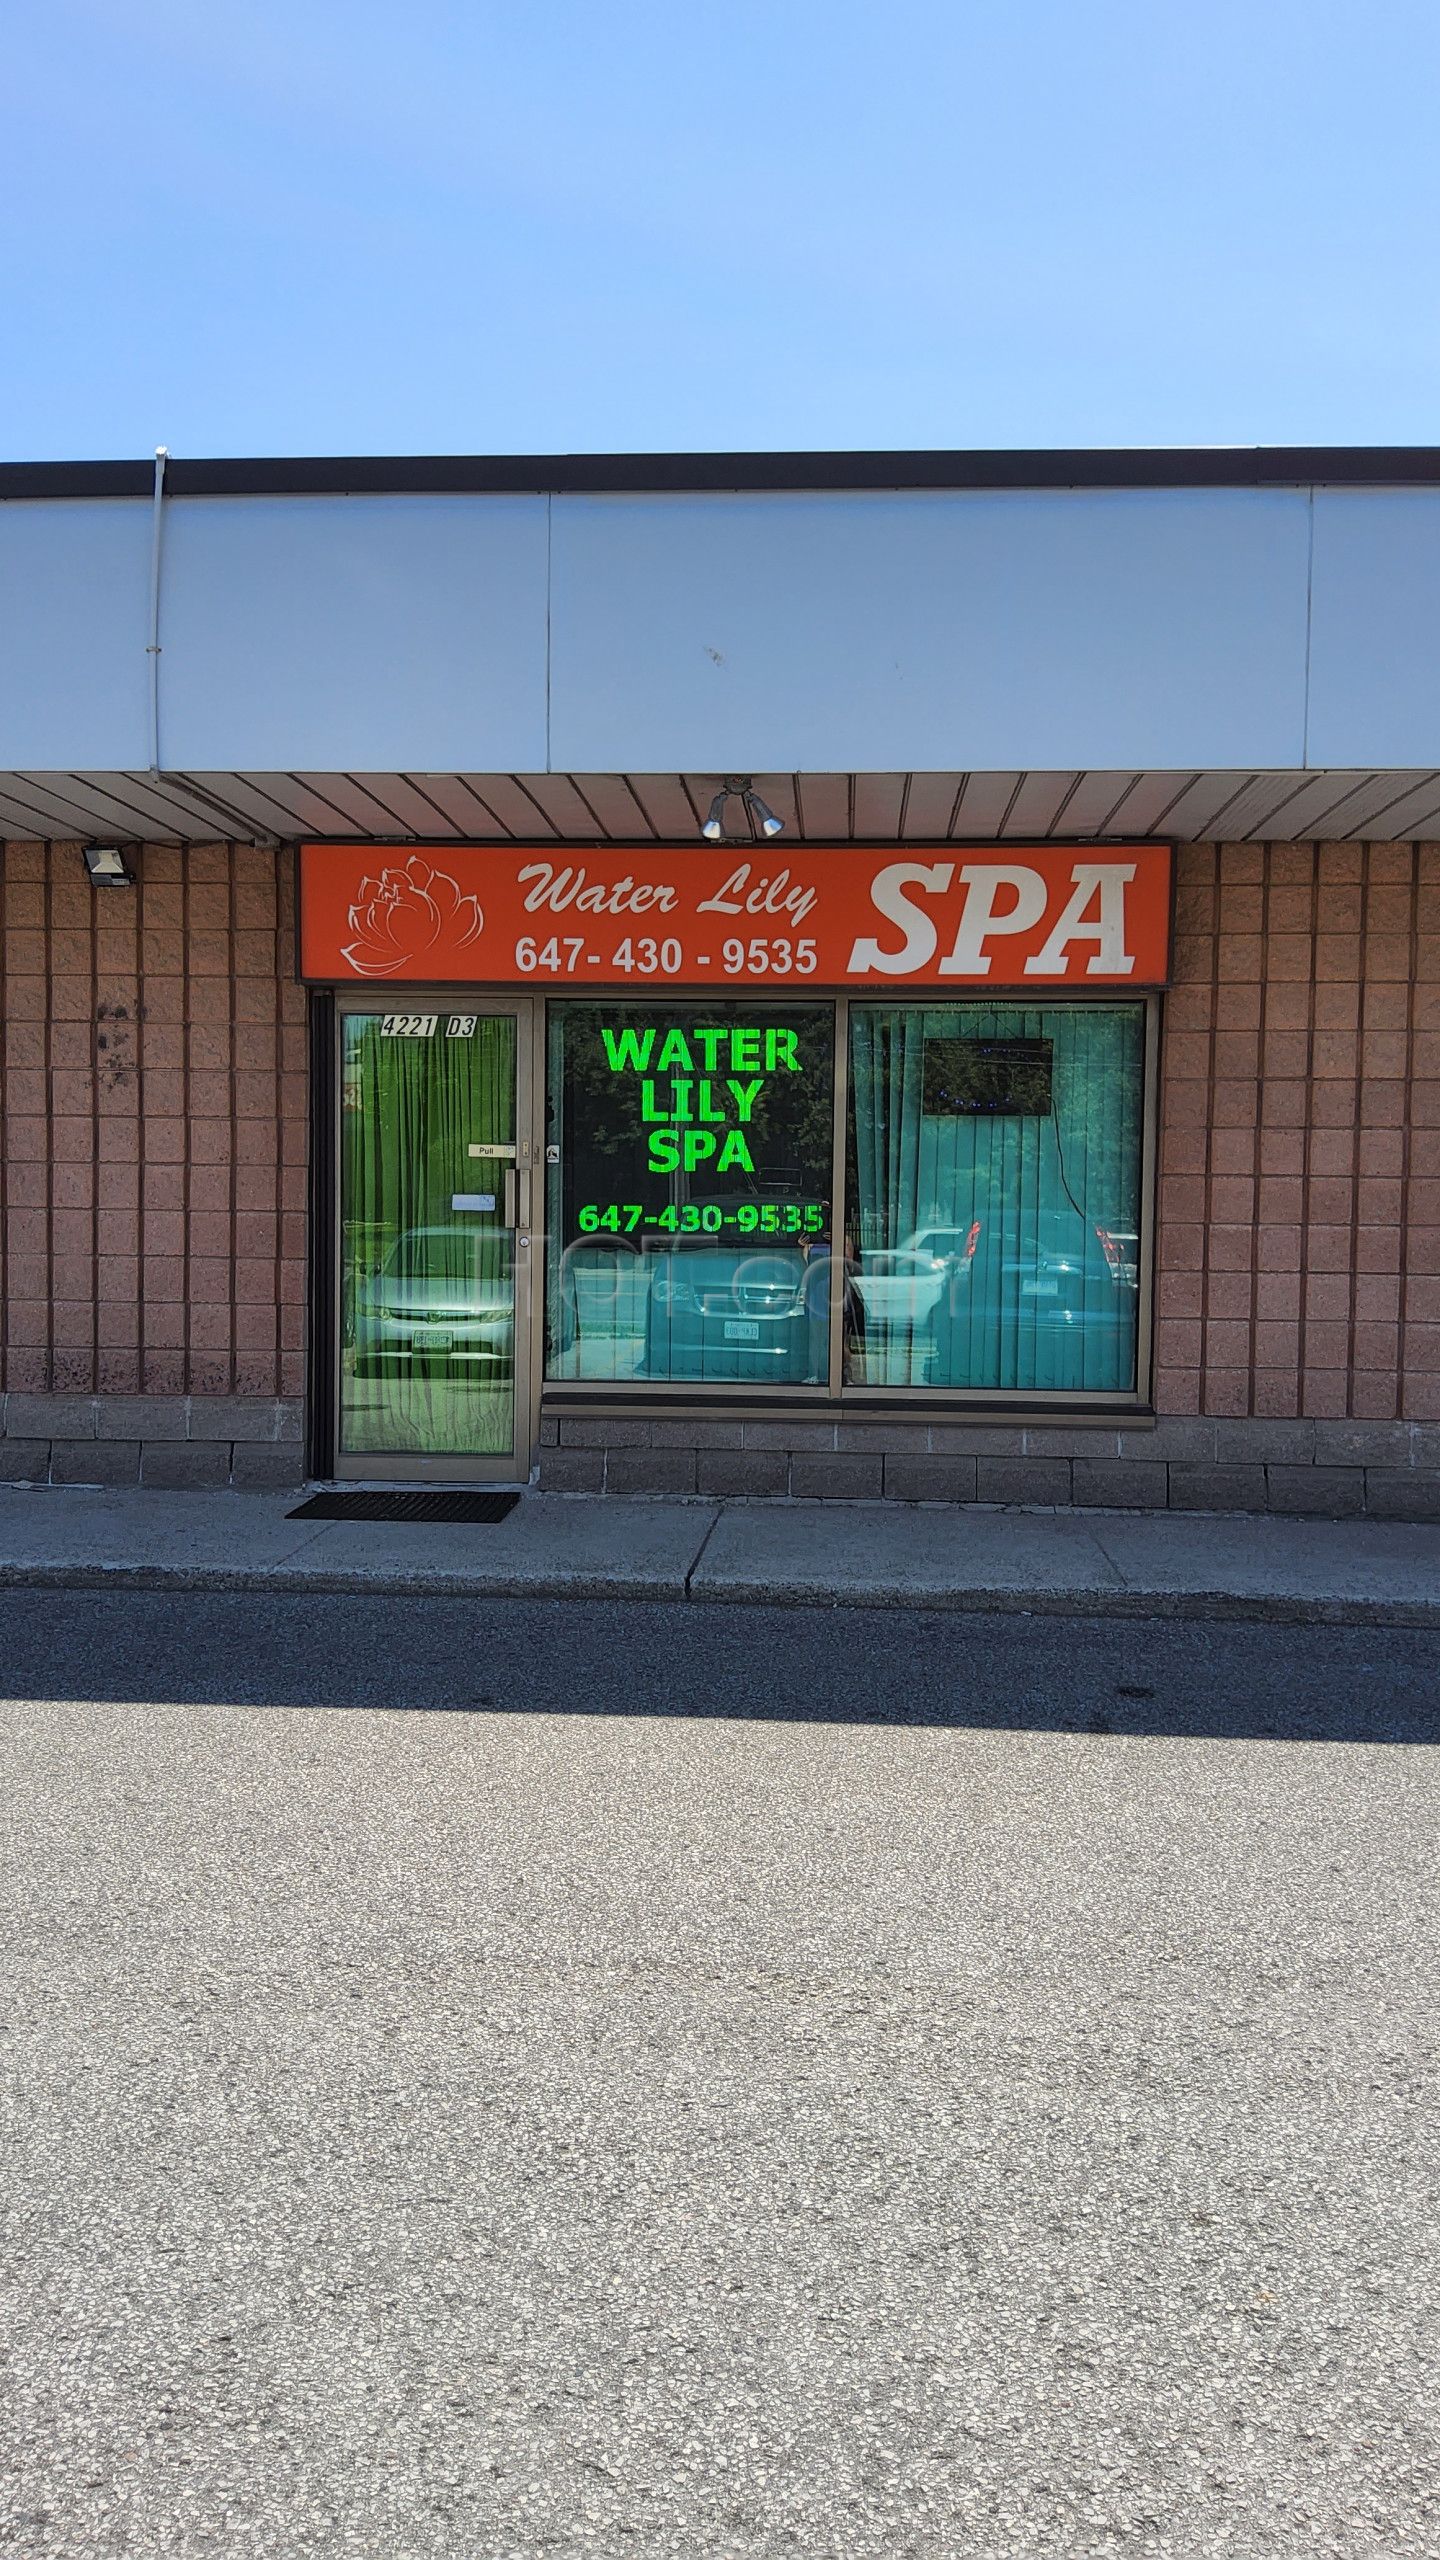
{"type": "Point", "coordinates": [440, 1293]}
{"type": "Point", "coordinates": [899, 1291]}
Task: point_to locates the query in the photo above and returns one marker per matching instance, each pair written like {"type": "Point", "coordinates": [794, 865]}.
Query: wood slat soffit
{"type": "Point", "coordinates": [825, 807]}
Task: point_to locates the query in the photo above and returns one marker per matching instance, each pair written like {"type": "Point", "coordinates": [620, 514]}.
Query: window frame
{"type": "Point", "coordinates": [682, 1398]}
{"type": "Point", "coordinates": [641, 1393]}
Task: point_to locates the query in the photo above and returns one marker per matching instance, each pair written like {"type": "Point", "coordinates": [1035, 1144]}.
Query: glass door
{"type": "Point", "coordinates": [435, 1169]}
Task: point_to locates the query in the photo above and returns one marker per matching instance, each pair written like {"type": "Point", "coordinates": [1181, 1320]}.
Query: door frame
{"type": "Point", "coordinates": [399, 1466]}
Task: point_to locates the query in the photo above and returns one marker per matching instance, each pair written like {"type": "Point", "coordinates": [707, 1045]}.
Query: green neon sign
{"type": "Point", "coordinates": [699, 1089]}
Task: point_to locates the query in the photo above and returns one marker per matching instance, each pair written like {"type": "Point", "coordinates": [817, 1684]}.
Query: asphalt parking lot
{"type": "Point", "coordinates": [537, 2078]}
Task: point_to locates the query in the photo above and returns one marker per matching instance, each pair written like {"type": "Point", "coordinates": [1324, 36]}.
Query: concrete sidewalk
{"type": "Point", "coordinates": [818, 1554]}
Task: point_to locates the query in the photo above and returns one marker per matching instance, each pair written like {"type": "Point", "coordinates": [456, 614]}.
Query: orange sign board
{"type": "Point", "coordinates": [604, 915]}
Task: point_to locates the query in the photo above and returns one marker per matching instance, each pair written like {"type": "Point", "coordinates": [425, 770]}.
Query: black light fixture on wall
{"type": "Point", "coordinates": [739, 787]}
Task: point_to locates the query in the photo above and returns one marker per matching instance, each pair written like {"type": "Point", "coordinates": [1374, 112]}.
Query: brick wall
{"type": "Point", "coordinates": [1298, 1247]}
{"type": "Point", "coordinates": [1297, 1345]}
{"type": "Point", "coordinates": [152, 1153]}
{"type": "Point", "coordinates": [152, 1207]}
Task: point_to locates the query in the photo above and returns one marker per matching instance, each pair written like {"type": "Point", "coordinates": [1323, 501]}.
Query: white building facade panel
{"type": "Point", "coordinates": [362, 634]}
{"type": "Point", "coordinates": [74, 675]}
{"type": "Point", "coordinates": [929, 631]}
{"type": "Point", "coordinates": [1375, 628]}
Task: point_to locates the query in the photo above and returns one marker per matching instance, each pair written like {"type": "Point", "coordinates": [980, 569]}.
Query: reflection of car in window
{"type": "Point", "coordinates": [1121, 1248]}
{"type": "Point", "coordinates": [926, 1300]}
{"type": "Point", "coordinates": [440, 1293]}
{"type": "Point", "coordinates": [735, 1289]}
{"type": "Point", "coordinates": [735, 1306]}
{"type": "Point", "coordinates": [736, 1311]}
{"type": "Point", "coordinates": [1078, 1272]}
{"type": "Point", "coordinates": [598, 1296]}
{"type": "Point", "coordinates": [899, 1292]}
{"type": "Point", "coordinates": [1051, 1279]}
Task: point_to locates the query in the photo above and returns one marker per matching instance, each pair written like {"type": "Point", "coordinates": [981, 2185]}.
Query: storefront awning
{"type": "Point", "coordinates": [1233, 807]}
{"type": "Point", "coordinates": [1195, 644]}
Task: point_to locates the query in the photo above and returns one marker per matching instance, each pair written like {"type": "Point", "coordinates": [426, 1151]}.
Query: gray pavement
{"type": "Point", "coordinates": [528, 2077]}
{"type": "Point", "coordinates": [913, 1556]}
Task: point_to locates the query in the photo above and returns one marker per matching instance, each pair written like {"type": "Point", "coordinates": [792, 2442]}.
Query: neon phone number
{"type": "Point", "coordinates": [749, 1218]}
{"type": "Point", "coordinates": [639, 955]}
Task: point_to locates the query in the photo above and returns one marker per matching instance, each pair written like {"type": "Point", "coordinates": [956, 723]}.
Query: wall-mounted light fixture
{"type": "Point", "coordinates": [739, 787]}
{"type": "Point", "coordinates": [107, 867]}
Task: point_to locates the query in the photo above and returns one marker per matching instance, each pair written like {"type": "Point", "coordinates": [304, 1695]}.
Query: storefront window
{"type": "Point", "coordinates": [688, 1161]}
{"type": "Point", "coordinates": [993, 1197]}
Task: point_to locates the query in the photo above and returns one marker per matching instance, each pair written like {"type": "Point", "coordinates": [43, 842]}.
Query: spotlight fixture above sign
{"type": "Point", "coordinates": [107, 867]}
{"type": "Point", "coordinates": [740, 787]}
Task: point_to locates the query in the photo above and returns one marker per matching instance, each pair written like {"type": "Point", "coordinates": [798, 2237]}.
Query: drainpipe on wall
{"type": "Point", "coordinates": [230, 821]}
{"type": "Point", "coordinates": [157, 517]}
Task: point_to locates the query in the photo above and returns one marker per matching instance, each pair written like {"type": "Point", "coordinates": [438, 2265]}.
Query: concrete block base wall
{"type": "Point", "coordinates": [1324, 1470]}
{"type": "Point", "coordinates": [1327, 1470]}
{"type": "Point", "coordinates": [251, 1443]}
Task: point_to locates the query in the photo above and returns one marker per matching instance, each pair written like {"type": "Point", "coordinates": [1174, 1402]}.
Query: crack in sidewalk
{"type": "Point", "coordinates": [1113, 1562]}
{"type": "Point", "coordinates": [699, 1556]}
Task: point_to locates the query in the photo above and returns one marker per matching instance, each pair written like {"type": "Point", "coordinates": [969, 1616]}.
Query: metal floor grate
{"type": "Point", "coordinates": [478, 1510]}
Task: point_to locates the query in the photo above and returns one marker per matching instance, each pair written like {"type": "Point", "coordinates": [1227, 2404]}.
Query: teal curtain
{"type": "Point", "coordinates": [996, 1248]}
{"type": "Point", "coordinates": [887, 1053]}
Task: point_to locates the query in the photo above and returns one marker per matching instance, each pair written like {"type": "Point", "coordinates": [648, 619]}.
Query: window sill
{"type": "Point", "coordinates": [870, 1404]}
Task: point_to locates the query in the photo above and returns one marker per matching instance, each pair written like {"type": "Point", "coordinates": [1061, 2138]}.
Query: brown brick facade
{"type": "Point", "coordinates": [153, 1131]}
{"type": "Point", "coordinates": [153, 1126]}
{"type": "Point", "coordinates": [1298, 1244]}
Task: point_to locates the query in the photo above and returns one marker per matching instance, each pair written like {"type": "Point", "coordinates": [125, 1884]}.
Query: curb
{"type": "Point", "coordinates": [1098, 1601]}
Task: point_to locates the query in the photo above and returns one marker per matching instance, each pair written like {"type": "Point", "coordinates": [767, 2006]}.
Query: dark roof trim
{"type": "Point", "coordinates": [1159, 467]}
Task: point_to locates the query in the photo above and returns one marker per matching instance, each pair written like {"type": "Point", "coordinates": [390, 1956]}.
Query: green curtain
{"type": "Point", "coordinates": [1047, 1300]}
{"type": "Point", "coordinates": [413, 1269]}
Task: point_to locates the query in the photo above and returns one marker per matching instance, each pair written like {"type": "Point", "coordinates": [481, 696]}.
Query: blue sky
{"type": "Point", "coordinates": [449, 226]}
